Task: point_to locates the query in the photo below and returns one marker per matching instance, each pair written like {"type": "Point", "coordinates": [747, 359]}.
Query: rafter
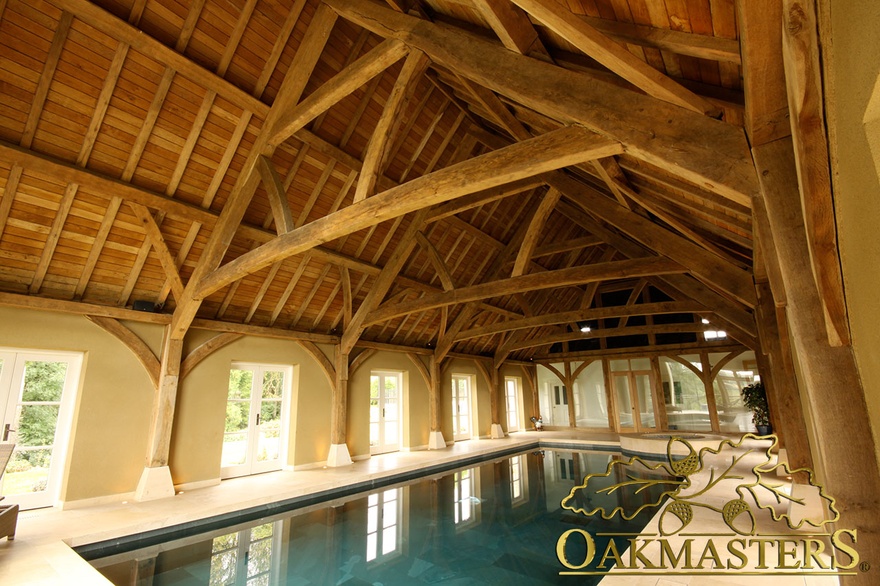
{"type": "Point", "coordinates": [570, 317]}
{"type": "Point", "coordinates": [513, 27]}
{"type": "Point", "coordinates": [346, 81]}
{"type": "Point", "coordinates": [533, 282]}
{"type": "Point", "coordinates": [151, 228]}
{"type": "Point", "coordinates": [703, 150]}
{"type": "Point", "coordinates": [550, 151]}
{"type": "Point", "coordinates": [389, 121]}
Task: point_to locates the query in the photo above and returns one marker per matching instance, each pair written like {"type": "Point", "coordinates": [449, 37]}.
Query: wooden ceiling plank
{"type": "Point", "coordinates": [706, 151]}
{"type": "Point", "coordinates": [154, 234]}
{"type": "Point", "coordinates": [133, 342]}
{"type": "Point", "coordinates": [342, 84]}
{"type": "Point", "coordinates": [277, 195]}
{"type": "Point", "coordinates": [278, 48]}
{"type": "Point", "coordinates": [289, 94]}
{"type": "Point", "coordinates": [235, 37]}
{"type": "Point", "coordinates": [701, 262]}
{"type": "Point", "coordinates": [383, 134]}
{"type": "Point", "coordinates": [513, 27]}
{"type": "Point", "coordinates": [97, 246]}
{"type": "Point", "coordinates": [533, 282]}
{"type": "Point", "coordinates": [803, 77]}
{"type": "Point", "coordinates": [450, 135]}
{"type": "Point", "coordinates": [535, 230]}
{"type": "Point", "coordinates": [9, 191]}
{"type": "Point", "coordinates": [282, 301]}
{"type": "Point", "coordinates": [550, 151]}
{"type": "Point", "coordinates": [353, 54]}
{"type": "Point", "coordinates": [614, 56]}
{"type": "Point", "coordinates": [258, 298]}
{"type": "Point", "coordinates": [52, 238]}
{"type": "Point", "coordinates": [42, 90]}
{"type": "Point", "coordinates": [570, 317]}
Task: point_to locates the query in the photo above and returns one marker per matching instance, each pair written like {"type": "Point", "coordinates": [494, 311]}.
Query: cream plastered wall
{"type": "Point", "coordinates": [416, 422]}
{"type": "Point", "coordinates": [108, 442]}
{"type": "Point", "coordinates": [852, 67]}
{"type": "Point", "coordinates": [197, 436]}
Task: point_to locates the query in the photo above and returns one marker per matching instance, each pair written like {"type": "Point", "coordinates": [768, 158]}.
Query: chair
{"type": "Point", "coordinates": [8, 513]}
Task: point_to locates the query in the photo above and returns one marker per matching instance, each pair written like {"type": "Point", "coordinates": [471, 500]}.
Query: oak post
{"type": "Point", "coordinates": [339, 454]}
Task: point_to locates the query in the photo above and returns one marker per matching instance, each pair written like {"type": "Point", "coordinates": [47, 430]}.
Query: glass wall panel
{"type": "Point", "coordinates": [733, 417]}
{"type": "Point", "coordinates": [685, 395]}
{"type": "Point", "coordinates": [591, 402]}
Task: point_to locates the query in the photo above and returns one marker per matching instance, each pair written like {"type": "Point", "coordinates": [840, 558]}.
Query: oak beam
{"type": "Point", "coordinates": [705, 151]}
{"type": "Point", "coordinates": [553, 150]}
{"type": "Point", "coordinates": [533, 282]}
{"type": "Point", "coordinates": [534, 231]}
{"type": "Point", "coordinates": [513, 27]}
{"type": "Point", "coordinates": [570, 317]}
{"type": "Point", "coordinates": [803, 77]}
{"type": "Point", "coordinates": [277, 195]}
{"type": "Point", "coordinates": [845, 462]}
{"type": "Point", "coordinates": [346, 81]}
{"type": "Point", "coordinates": [154, 235]}
{"type": "Point", "coordinates": [383, 135]}
{"type": "Point", "coordinates": [614, 56]}
{"type": "Point", "coordinates": [133, 342]}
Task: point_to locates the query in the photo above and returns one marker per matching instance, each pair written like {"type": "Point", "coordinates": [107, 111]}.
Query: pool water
{"type": "Point", "coordinates": [496, 522]}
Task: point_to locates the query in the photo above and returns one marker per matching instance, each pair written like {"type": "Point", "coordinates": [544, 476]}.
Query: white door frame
{"type": "Point", "coordinates": [517, 403]}
{"type": "Point", "coordinates": [383, 446]}
{"type": "Point", "coordinates": [251, 465]}
{"type": "Point", "coordinates": [13, 376]}
{"type": "Point", "coordinates": [456, 411]}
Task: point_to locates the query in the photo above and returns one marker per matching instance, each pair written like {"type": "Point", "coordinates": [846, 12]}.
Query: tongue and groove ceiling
{"type": "Point", "coordinates": [481, 176]}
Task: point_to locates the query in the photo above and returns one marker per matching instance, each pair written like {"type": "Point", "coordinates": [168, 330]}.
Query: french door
{"type": "Point", "coordinates": [255, 435]}
{"type": "Point", "coordinates": [511, 396]}
{"type": "Point", "coordinates": [385, 423]}
{"type": "Point", "coordinates": [634, 392]}
{"type": "Point", "coordinates": [37, 392]}
{"type": "Point", "coordinates": [461, 408]}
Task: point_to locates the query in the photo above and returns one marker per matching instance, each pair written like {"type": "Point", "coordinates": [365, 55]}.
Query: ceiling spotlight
{"type": "Point", "coordinates": [705, 321]}
{"type": "Point", "coordinates": [585, 329]}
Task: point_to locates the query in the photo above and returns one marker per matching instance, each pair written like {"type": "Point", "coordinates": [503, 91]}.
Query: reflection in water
{"type": "Point", "coordinates": [493, 523]}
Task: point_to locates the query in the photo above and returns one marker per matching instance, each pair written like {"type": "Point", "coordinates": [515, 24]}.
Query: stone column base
{"type": "Point", "coordinates": [338, 456]}
{"type": "Point", "coordinates": [155, 483]}
{"type": "Point", "coordinates": [436, 441]}
{"type": "Point", "coordinates": [496, 432]}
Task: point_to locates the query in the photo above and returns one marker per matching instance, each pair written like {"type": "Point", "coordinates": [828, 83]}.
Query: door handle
{"type": "Point", "coordinates": [6, 431]}
{"type": "Point", "coordinates": [258, 419]}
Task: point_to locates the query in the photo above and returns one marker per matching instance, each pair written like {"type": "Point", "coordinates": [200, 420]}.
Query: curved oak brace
{"type": "Point", "coordinates": [553, 369]}
{"type": "Point", "coordinates": [577, 371]}
{"type": "Point", "coordinates": [688, 365]}
{"type": "Point", "coordinates": [722, 363]}
{"type": "Point", "coordinates": [322, 360]}
{"type": "Point", "coordinates": [206, 349]}
{"type": "Point", "coordinates": [484, 370]}
{"type": "Point", "coordinates": [360, 359]}
{"type": "Point", "coordinates": [423, 370]}
{"type": "Point", "coordinates": [131, 340]}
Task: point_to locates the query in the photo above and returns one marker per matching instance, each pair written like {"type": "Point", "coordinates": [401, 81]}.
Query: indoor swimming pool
{"type": "Point", "coordinates": [493, 522]}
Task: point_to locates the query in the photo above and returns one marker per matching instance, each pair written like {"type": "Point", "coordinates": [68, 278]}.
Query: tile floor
{"type": "Point", "coordinates": [42, 554]}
